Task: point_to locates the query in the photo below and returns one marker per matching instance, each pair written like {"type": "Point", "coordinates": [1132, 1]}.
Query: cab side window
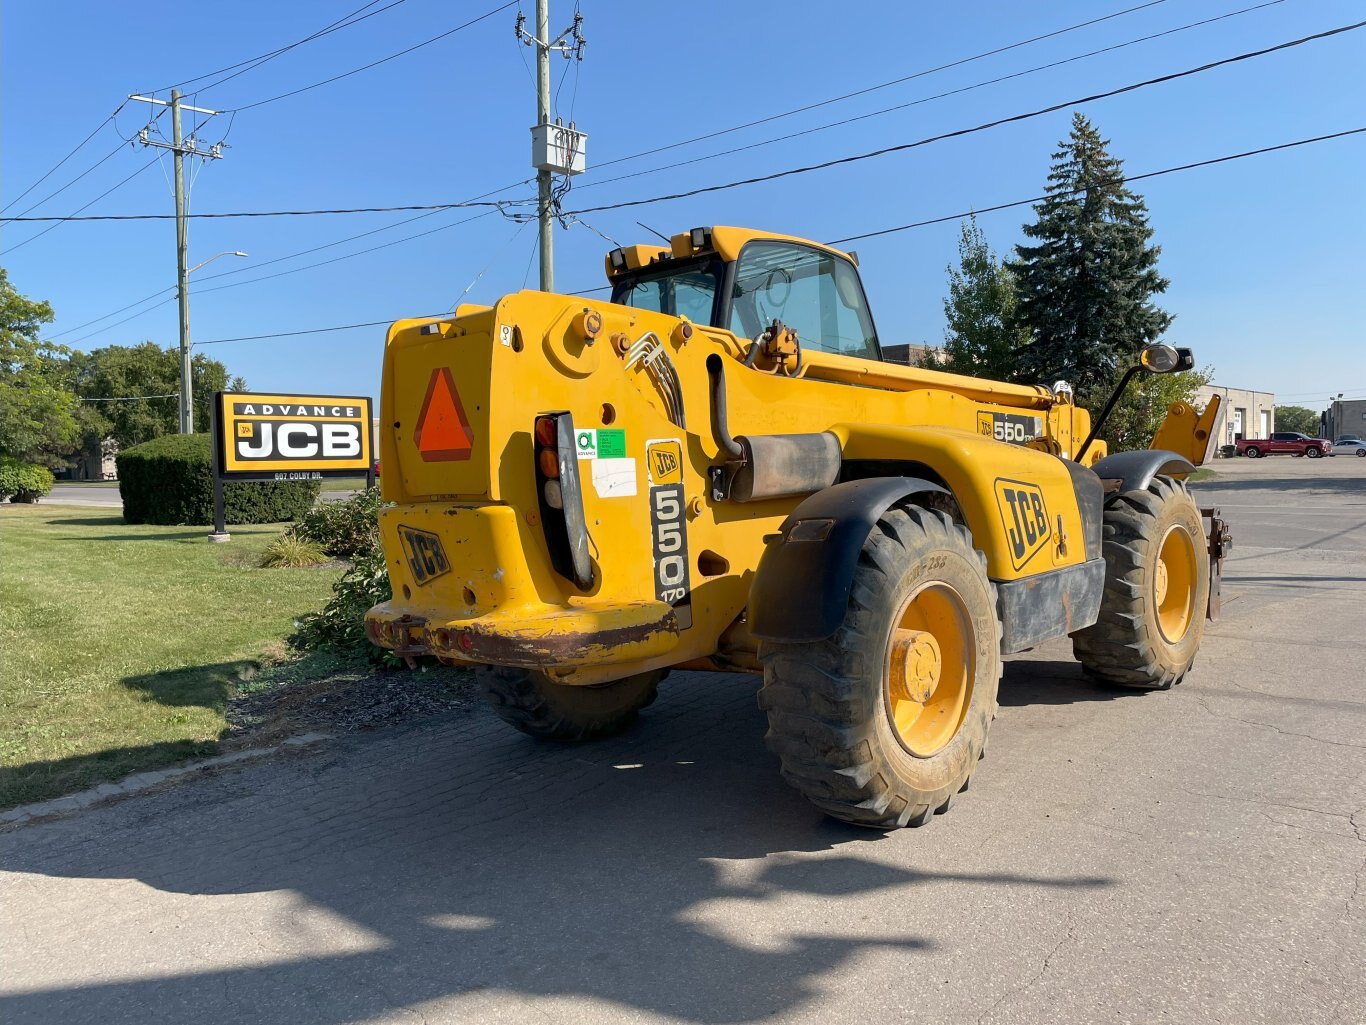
{"type": "Point", "coordinates": [816, 294]}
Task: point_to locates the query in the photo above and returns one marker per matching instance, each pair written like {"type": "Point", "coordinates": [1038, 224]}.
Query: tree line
{"type": "Point", "coordinates": [57, 402]}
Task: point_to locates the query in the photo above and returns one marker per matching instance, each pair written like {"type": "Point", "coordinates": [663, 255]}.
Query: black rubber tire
{"type": "Point", "coordinates": [1126, 645]}
{"type": "Point", "coordinates": [538, 706]}
{"type": "Point", "coordinates": [1252, 453]}
{"type": "Point", "coordinates": [1361, 453]}
{"type": "Point", "coordinates": [826, 701]}
{"type": "Point", "coordinates": [1313, 453]}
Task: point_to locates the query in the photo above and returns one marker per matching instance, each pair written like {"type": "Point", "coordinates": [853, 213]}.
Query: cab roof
{"type": "Point", "coordinates": [724, 240]}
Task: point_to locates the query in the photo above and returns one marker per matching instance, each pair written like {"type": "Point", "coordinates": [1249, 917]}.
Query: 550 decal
{"type": "Point", "coordinates": [668, 532]}
{"type": "Point", "coordinates": [1014, 428]}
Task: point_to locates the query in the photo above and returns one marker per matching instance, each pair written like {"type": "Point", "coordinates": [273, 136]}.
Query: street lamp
{"type": "Point", "coordinates": [186, 394]}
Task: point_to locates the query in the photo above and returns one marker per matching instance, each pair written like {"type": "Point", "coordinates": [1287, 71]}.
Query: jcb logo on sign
{"type": "Point", "coordinates": [422, 549]}
{"type": "Point", "coordinates": [297, 439]}
{"type": "Point", "coordinates": [1025, 517]}
{"type": "Point", "coordinates": [664, 461]}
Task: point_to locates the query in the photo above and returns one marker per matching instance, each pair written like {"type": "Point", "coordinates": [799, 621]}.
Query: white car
{"type": "Point", "coordinates": [1349, 447]}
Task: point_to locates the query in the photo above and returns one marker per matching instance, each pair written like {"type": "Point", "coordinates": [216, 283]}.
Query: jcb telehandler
{"type": "Point", "coordinates": [716, 470]}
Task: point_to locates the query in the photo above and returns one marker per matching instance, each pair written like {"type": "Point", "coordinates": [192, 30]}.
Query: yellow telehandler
{"type": "Point", "coordinates": [716, 470]}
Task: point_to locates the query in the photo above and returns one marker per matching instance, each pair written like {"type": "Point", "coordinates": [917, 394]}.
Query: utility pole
{"type": "Point", "coordinates": [554, 147]}
{"type": "Point", "coordinates": [179, 150]}
{"type": "Point", "coordinates": [543, 178]}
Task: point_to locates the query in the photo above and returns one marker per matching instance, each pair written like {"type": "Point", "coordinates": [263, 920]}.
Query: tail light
{"type": "Point", "coordinates": [561, 497]}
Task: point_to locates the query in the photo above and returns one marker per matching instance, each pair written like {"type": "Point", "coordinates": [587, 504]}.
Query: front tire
{"type": "Point", "coordinates": [1152, 613]}
{"type": "Point", "coordinates": [881, 723]}
{"type": "Point", "coordinates": [1313, 453]}
{"type": "Point", "coordinates": [540, 707]}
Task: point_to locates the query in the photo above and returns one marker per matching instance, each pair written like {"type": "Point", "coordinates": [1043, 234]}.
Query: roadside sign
{"type": "Point", "coordinates": [260, 436]}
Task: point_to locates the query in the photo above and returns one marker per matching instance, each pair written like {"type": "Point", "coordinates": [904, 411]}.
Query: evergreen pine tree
{"type": "Point", "coordinates": [982, 338]}
{"type": "Point", "coordinates": [1086, 287]}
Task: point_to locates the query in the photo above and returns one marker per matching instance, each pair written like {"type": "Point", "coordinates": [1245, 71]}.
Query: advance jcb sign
{"type": "Point", "coordinates": [292, 437]}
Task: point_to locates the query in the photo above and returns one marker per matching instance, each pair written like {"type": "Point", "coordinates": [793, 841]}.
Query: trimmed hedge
{"type": "Point", "coordinates": [169, 480]}
{"type": "Point", "coordinates": [23, 482]}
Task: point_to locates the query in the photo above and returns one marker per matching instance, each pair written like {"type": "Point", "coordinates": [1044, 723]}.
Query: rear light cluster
{"type": "Point", "coordinates": [561, 498]}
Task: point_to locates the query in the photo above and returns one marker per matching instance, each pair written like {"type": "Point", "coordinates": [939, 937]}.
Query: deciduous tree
{"type": "Point", "coordinates": [37, 414]}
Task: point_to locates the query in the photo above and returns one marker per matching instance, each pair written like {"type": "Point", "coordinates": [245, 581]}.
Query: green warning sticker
{"type": "Point", "coordinates": [611, 444]}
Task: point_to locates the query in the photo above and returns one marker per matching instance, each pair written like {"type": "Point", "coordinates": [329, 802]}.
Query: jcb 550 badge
{"type": "Point", "coordinates": [426, 558]}
{"type": "Point", "coordinates": [1025, 517]}
{"type": "Point", "coordinates": [1011, 427]}
{"type": "Point", "coordinates": [668, 534]}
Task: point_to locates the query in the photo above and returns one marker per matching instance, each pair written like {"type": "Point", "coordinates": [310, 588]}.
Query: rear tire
{"type": "Point", "coordinates": [1152, 614]}
{"type": "Point", "coordinates": [1252, 453]}
{"type": "Point", "coordinates": [542, 708]}
{"type": "Point", "coordinates": [874, 746]}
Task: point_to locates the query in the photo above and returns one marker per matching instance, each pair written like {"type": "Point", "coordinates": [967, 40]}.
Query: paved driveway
{"type": "Point", "coordinates": [1196, 856]}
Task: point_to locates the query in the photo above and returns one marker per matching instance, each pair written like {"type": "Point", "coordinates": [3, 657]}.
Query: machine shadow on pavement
{"type": "Point", "coordinates": [645, 872]}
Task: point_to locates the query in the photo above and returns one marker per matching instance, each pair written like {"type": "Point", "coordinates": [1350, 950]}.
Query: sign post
{"type": "Point", "coordinates": [220, 528]}
{"type": "Point", "coordinates": [273, 437]}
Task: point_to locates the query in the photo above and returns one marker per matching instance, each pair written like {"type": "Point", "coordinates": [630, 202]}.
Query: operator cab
{"type": "Point", "coordinates": [742, 280]}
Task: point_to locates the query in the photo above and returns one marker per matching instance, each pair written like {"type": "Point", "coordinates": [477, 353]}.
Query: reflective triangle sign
{"type": "Point", "coordinates": [443, 432]}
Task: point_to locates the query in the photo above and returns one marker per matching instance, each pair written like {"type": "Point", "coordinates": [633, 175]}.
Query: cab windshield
{"type": "Point", "coordinates": [813, 292]}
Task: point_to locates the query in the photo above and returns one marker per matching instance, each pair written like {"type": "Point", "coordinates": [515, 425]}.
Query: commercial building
{"type": "Point", "coordinates": [1345, 416]}
{"type": "Point", "coordinates": [1243, 414]}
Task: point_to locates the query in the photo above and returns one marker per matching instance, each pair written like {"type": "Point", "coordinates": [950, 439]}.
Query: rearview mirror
{"type": "Point", "coordinates": [1159, 358]}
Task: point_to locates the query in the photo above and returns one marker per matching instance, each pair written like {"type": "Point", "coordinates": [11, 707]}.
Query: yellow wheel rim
{"type": "Point", "coordinates": [1174, 583]}
{"type": "Point", "coordinates": [931, 664]}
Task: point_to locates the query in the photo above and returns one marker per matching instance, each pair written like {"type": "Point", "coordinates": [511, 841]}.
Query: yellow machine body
{"type": "Point", "coordinates": [465, 537]}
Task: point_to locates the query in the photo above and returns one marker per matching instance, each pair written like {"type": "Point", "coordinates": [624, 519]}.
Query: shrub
{"type": "Point", "coordinates": [23, 482]}
{"type": "Point", "coordinates": [169, 480]}
{"type": "Point", "coordinates": [345, 529]}
{"type": "Point", "coordinates": [287, 550]}
{"type": "Point", "coordinates": [340, 626]}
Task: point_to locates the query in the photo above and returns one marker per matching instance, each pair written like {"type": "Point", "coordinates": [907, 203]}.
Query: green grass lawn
{"type": "Point", "coordinates": [121, 644]}
{"type": "Point", "coordinates": [1202, 474]}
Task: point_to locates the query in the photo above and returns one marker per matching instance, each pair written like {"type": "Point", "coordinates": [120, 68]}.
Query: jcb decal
{"type": "Point", "coordinates": [426, 558]}
{"type": "Point", "coordinates": [1025, 518]}
{"type": "Point", "coordinates": [664, 461]}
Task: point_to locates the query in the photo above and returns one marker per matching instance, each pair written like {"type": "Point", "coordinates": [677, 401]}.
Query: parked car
{"type": "Point", "coordinates": [1346, 439]}
{"type": "Point", "coordinates": [1349, 447]}
{"type": "Point", "coordinates": [1286, 443]}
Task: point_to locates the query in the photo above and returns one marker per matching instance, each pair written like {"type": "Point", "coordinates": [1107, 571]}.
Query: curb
{"type": "Point", "coordinates": [141, 781]}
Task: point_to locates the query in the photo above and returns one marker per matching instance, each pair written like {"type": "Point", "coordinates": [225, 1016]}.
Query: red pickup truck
{"type": "Point", "coordinates": [1285, 443]}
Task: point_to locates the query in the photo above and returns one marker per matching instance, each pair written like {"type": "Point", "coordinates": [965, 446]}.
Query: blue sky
{"type": "Point", "coordinates": [1265, 255]}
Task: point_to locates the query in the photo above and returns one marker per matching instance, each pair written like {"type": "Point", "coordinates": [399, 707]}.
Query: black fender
{"type": "Point", "coordinates": [801, 588]}
{"type": "Point", "coordinates": [1136, 470]}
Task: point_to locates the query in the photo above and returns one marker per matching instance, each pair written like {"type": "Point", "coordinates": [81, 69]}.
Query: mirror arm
{"type": "Point", "coordinates": [1105, 413]}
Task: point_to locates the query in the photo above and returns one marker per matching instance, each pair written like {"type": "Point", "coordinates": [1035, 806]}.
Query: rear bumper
{"type": "Point", "coordinates": [548, 638]}
{"type": "Point", "coordinates": [471, 584]}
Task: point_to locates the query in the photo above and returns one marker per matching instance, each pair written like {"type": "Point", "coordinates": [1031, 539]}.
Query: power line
{"type": "Point", "coordinates": [789, 172]}
{"type": "Point", "coordinates": [73, 181]}
{"type": "Point", "coordinates": [1115, 181]}
{"type": "Point", "coordinates": [929, 99]}
{"type": "Point", "coordinates": [255, 62]}
{"type": "Point", "coordinates": [280, 259]}
{"type": "Point", "coordinates": [883, 85]}
{"type": "Point", "coordinates": [959, 133]}
{"type": "Point", "coordinates": [48, 173]}
{"type": "Point", "coordinates": [382, 60]}
{"type": "Point", "coordinates": [106, 192]}
{"type": "Point", "coordinates": [125, 320]}
{"type": "Point", "coordinates": [135, 398]}
{"type": "Point", "coordinates": [884, 231]}
{"type": "Point", "coordinates": [323, 330]}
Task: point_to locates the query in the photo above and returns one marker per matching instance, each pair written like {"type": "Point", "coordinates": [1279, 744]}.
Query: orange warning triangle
{"type": "Point", "coordinates": [443, 432]}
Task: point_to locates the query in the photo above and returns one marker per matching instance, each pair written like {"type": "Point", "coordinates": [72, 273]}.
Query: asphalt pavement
{"type": "Point", "coordinates": [1194, 856]}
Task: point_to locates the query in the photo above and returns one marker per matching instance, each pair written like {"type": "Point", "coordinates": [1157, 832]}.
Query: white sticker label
{"type": "Point", "coordinates": [505, 334]}
{"type": "Point", "coordinates": [614, 478]}
{"type": "Point", "coordinates": [586, 444]}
